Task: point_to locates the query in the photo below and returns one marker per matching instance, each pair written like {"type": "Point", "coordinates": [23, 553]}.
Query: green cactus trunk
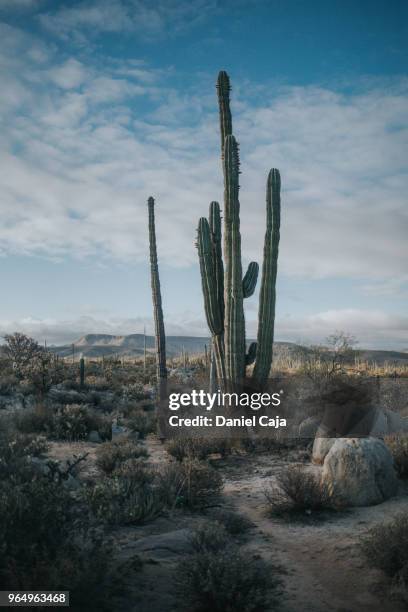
{"type": "Point", "coordinates": [233, 293]}
{"type": "Point", "coordinates": [224, 289]}
{"type": "Point", "coordinates": [267, 296]}
{"type": "Point", "coordinates": [82, 372]}
{"type": "Point", "coordinates": [161, 368]}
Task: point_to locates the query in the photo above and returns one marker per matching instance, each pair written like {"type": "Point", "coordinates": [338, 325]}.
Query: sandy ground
{"type": "Point", "coordinates": [319, 561]}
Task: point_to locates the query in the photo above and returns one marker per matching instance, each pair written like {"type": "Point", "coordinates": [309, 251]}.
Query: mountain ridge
{"type": "Point", "coordinates": [132, 345]}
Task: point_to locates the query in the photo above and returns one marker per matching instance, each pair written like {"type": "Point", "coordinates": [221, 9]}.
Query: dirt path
{"type": "Point", "coordinates": [319, 561]}
{"type": "Point", "coordinates": [324, 568]}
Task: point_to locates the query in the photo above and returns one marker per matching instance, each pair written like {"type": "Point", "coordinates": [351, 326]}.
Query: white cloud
{"type": "Point", "coordinates": [372, 328]}
{"type": "Point", "coordinates": [147, 19]}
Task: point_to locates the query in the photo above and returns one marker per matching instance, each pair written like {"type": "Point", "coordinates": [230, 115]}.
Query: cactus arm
{"type": "Point", "coordinates": [267, 296]}
{"type": "Point", "coordinates": [157, 305]}
{"type": "Point", "coordinates": [249, 280]}
{"type": "Point", "coordinates": [210, 292]}
{"type": "Point", "coordinates": [234, 323]}
{"type": "Point", "coordinates": [223, 91]}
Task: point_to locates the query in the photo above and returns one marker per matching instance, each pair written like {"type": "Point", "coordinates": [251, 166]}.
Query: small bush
{"type": "Point", "coordinates": [299, 492]}
{"type": "Point", "coordinates": [211, 536]}
{"type": "Point", "coordinates": [191, 483]}
{"type": "Point", "coordinates": [197, 448]}
{"type": "Point", "coordinates": [234, 523]}
{"type": "Point", "coordinates": [124, 500]}
{"type": "Point", "coordinates": [142, 423]}
{"type": "Point", "coordinates": [71, 422]}
{"type": "Point", "coordinates": [217, 576]}
{"type": "Point", "coordinates": [386, 546]}
{"type": "Point", "coordinates": [111, 454]}
{"type": "Point", "coordinates": [8, 384]}
{"type": "Point", "coordinates": [398, 446]}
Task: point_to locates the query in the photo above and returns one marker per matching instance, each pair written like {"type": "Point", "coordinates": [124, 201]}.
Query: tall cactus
{"type": "Point", "coordinates": [223, 299]}
{"type": "Point", "coordinates": [161, 367]}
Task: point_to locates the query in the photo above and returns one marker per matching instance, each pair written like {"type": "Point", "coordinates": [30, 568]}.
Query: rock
{"type": "Point", "coordinates": [94, 436]}
{"type": "Point", "coordinates": [40, 466]}
{"type": "Point", "coordinates": [360, 471]}
{"type": "Point", "coordinates": [377, 424]}
{"type": "Point", "coordinates": [321, 445]}
{"type": "Point", "coordinates": [119, 431]}
{"type": "Point", "coordinates": [176, 542]}
{"type": "Point", "coordinates": [308, 427]}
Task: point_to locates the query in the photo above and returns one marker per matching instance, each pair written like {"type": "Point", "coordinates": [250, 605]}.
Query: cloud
{"type": "Point", "coordinates": [147, 19]}
{"type": "Point", "coordinates": [83, 147]}
{"type": "Point", "coordinates": [372, 328]}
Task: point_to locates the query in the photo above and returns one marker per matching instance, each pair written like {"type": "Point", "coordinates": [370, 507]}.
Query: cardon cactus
{"type": "Point", "coordinates": [161, 367]}
{"type": "Point", "coordinates": [224, 287]}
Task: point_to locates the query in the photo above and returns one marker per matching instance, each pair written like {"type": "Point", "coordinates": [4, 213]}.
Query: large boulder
{"type": "Point", "coordinates": [376, 423]}
{"type": "Point", "coordinates": [360, 471]}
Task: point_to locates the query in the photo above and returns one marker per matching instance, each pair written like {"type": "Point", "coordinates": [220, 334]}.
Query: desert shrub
{"type": "Point", "coordinates": [127, 499]}
{"type": "Point", "coordinates": [299, 492]}
{"type": "Point", "coordinates": [111, 454]}
{"type": "Point", "coordinates": [211, 536]}
{"type": "Point", "coordinates": [134, 393]}
{"type": "Point", "coordinates": [386, 546]}
{"type": "Point", "coordinates": [192, 483]}
{"type": "Point", "coordinates": [142, 422]}
{"type": "Point", "coordinates": [16, 451]}
{"type": "Point", "coordinates": [234, 523]}
{"type": "Point", "coordinates": [8, 384]}
{"type": "Point", "coordinates": [44, 542]}
{"type": "Point", "coordinates": [217, 576]}
{"type": "Point", "coordinates": [70, 422]}
{"type": "Point", "coordinates": [398, 446]}
{"type": "Point", "coordinates": [197, 448]}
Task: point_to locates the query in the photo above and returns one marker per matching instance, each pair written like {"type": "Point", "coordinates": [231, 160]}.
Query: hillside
{"type": "Point", "coordinates": [98, 345]}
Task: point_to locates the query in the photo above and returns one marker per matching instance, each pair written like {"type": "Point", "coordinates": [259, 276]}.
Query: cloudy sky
{"type": "Point", "coordinates": [104, 103]}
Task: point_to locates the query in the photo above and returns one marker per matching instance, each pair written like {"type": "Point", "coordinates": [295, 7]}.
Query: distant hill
{"type": "Point", "coordinates": [98, 345]}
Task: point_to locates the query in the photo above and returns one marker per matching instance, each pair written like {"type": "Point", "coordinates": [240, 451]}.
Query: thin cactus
{"type": "Point", "coordinates": [82, 372]}
{"type": "Point", "coordinates": [161, 368]}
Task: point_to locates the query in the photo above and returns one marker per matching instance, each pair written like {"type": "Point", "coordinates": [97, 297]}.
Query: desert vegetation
{"type": "Point", "coordinates": [95, 499]}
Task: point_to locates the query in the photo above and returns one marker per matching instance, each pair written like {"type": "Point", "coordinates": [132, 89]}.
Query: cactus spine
{"type": "Point", "coordinates": [161, 368]}
{"type": "Point", "coordinates": [224, 288]}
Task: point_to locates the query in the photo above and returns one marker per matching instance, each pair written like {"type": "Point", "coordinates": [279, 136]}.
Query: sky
{"type": "Point", "coordinates": [104, 103]}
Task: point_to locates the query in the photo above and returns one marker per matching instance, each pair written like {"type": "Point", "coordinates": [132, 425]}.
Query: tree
{"type": "Point", "coordinates": [22, 352]}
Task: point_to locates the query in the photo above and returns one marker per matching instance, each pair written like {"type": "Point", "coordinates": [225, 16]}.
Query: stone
{"type": "Point", "coordinates": [40, 465]}
{"type": "Point", "coordinates": [360, 471]}
{"type": "Point", "coordinates": [94, 436]}
{"type": "Point", "coordinates": [176, 542]}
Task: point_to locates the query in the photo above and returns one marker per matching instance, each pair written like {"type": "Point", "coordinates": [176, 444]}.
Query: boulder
{"type": "Point", "coordinates": [308, 427]}
{"type": "Point", "coordinates": [94, 436]}
{"type": "Point", "coordinates": [379, 423]}
{"type": "Point", "coordinates": [321, 447]}
{"type": "Point", "coordinates": [360, 471]}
